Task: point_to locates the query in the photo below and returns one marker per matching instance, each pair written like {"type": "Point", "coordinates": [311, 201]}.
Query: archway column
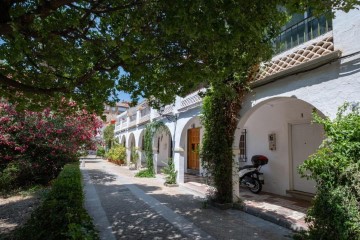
{"type": "Point", "coordinates": [128, 155]}
{"type": "Point", "coordinates": [179, 164]}
{"type": "Point", "coordinates": [155, 159]}
{"type": "Point", "coordinates": [138, 163]}
{"type": "Point", "coordinates": [235, 175]}
{"type": "Point", "coordinates": [179, 158]}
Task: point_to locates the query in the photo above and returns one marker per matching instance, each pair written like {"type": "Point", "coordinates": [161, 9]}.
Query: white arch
{"type": "Point", "coordinates": [123, 140]}
{"type": "Point", "coordinates": [131, 141]}
{"type": "Point", "coordinates": [278, 116]}
{"type": "Point", "coordinates": [244, 117]}
{"type": "Point", "coordinates": [193, 122]}
{"type": "Point", "coordinates": [162, 142]}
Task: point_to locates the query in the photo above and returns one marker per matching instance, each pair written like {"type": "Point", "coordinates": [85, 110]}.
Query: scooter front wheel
{"type": "Point", "coordinates": [257, 186]}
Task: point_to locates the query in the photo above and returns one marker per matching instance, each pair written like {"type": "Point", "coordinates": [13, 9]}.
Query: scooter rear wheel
{"type": "Point", "coordinates": [257, 186]}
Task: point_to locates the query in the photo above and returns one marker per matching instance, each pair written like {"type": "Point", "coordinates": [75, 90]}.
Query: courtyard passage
{"type": "Point", "coordinates": [125, 207]}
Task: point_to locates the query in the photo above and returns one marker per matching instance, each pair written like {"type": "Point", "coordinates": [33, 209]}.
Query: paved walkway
{"type": "Point", "coordinates": [285, 211]}
{"type": "Point", "coordinates": [125, 207]}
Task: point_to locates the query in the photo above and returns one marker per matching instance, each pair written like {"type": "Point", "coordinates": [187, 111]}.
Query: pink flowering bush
{"type": "Point", "coordinates": [34, 146]}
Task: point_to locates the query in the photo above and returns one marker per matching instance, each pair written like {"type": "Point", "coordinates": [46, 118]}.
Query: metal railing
{"type": "Point", "coordinates": [301, 32]}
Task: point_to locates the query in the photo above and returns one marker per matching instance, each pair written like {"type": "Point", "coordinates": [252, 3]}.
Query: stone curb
{"type": "Point", "coordinates": [271, 218]}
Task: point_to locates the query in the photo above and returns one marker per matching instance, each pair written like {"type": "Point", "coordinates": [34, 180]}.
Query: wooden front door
{"type": "Point", "coordinates": [193, 148]}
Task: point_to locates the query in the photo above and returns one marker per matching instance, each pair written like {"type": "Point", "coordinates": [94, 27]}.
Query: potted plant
{"type": "Point", "coordinates": [134, 157]}
{"type": "Point", "coordinates": [170, 174]}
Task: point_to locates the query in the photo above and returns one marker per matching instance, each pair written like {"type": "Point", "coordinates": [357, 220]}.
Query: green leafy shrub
{"type": "Point", "coordinates": [61, 215]}
{"type": "Point", "coordinates": [108, 135]}
{"type": "Point", "coordinates": [146, 173]}
{"type": "Point", "coordinates": [15, 175]}
{"type": "Point", "coordinates": [170, 172]}
{"type": "Point", "coordinates": [100, 152]}
{"type": "Point", "coordinates": [117, 154]}
{"type": "Point", "coordinates": [335, 167]}
{"type": "Point", "coordinates": [134, 156]}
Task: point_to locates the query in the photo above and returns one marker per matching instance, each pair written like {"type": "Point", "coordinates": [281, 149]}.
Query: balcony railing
{"type": "Point", "coordinates": [167, 109]}
{"type": "Point", "coordinates": [132, 120]}
{"type": "Point", "coordinates": [320, 48]}
{"type": "Point", "coordinates": [117, 128]}
{"type": "Point", "coordinates": [133, 123]}
{"type": "Point", "coordinates": [145, 118]}
{"type": "Point", "coordinates": [301, 32]}
{"type": "Point", "coordinates": [192, 99]}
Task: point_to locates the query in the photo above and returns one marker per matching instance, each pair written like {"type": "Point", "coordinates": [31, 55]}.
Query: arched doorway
{"type": "Point", "coordinates": [162, 143]}
{"type": "Point", "coordinates": [141, 147]}
{"type": "Point", "coordinates": [281, 129]}
{"type": "Point", "coordinates": [131, 142]}
{"type": "Point", "coordinates": [131, 151]}
{"type": "Point", "coordinates": [191, 136]}
{"type": "Point", "coordinates": [123, 141]}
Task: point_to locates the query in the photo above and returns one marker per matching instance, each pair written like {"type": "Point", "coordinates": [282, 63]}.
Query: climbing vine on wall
{"type": "Point", "coordinates": [151, 129]}
{"type": "Point", "coordinates": [220, 110]}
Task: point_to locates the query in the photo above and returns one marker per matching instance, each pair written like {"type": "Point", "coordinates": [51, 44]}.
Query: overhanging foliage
{"type": "Point", "coordinates": [76, 49]}
{"type": "Point", "coordinates": [108, 135]}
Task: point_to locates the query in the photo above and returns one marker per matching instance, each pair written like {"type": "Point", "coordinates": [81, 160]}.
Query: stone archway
{"type": "Point", "coordinates": [190, 140]}
{"type": "Point", "coordinates": [162, 146]}
{"type": "Point", "coordinates": [123, 141]}
{"type": "Point", "coordinates": [141, 147]}
{"type": "Point", "coordinates": [280, 128]}
{"type": "Point", "coordinates": [131, 148]}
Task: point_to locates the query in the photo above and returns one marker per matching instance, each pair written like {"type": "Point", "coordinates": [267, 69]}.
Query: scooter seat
{"type": "Point", "coordinates": [246, 167]}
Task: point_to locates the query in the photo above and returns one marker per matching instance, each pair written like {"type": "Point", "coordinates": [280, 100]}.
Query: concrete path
{"type": "Point", "coordinates": [284, 211]}
{"type": "Point", "coordinates": [125, 207]}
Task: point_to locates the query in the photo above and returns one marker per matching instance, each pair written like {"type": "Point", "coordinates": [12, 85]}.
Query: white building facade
{"type": "Point", "coordinates": [319, 71]}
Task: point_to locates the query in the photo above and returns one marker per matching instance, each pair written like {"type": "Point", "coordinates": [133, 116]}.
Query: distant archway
{"type": "Point", "coordinates": [131, 141]}
{"type": "Point", "coordinates": [123, 141]}
{"type": "Point", "coordinates": [162, 142]}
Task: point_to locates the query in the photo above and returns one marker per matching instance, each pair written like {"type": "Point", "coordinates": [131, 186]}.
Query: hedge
{"type": "Point", "coordinates": [61, 215]}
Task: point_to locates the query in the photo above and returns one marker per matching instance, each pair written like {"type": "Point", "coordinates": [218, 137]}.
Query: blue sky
{"type": "Point", "coordinates": [124, 96]}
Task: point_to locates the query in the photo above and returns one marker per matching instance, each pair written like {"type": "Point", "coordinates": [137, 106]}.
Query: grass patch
{"type": "Point", "coordinates": [61, 215]}
{"type": "Point", "coordinates": [146, 173]}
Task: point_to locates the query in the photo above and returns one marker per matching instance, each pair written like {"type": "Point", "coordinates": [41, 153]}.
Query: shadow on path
{"type": "Point", "coordinates": [135, 217]}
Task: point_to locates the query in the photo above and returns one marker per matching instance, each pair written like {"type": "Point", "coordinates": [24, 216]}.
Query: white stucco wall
{"type": "Point", "coordinates": [275, 117]}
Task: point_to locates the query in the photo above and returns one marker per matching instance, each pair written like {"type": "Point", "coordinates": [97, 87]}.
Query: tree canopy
{"type": "Point", "coordinates": [50, 50]}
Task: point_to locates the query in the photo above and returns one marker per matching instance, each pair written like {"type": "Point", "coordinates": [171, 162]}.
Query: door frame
{"type": "Point", "coordinates": [290, 150]}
